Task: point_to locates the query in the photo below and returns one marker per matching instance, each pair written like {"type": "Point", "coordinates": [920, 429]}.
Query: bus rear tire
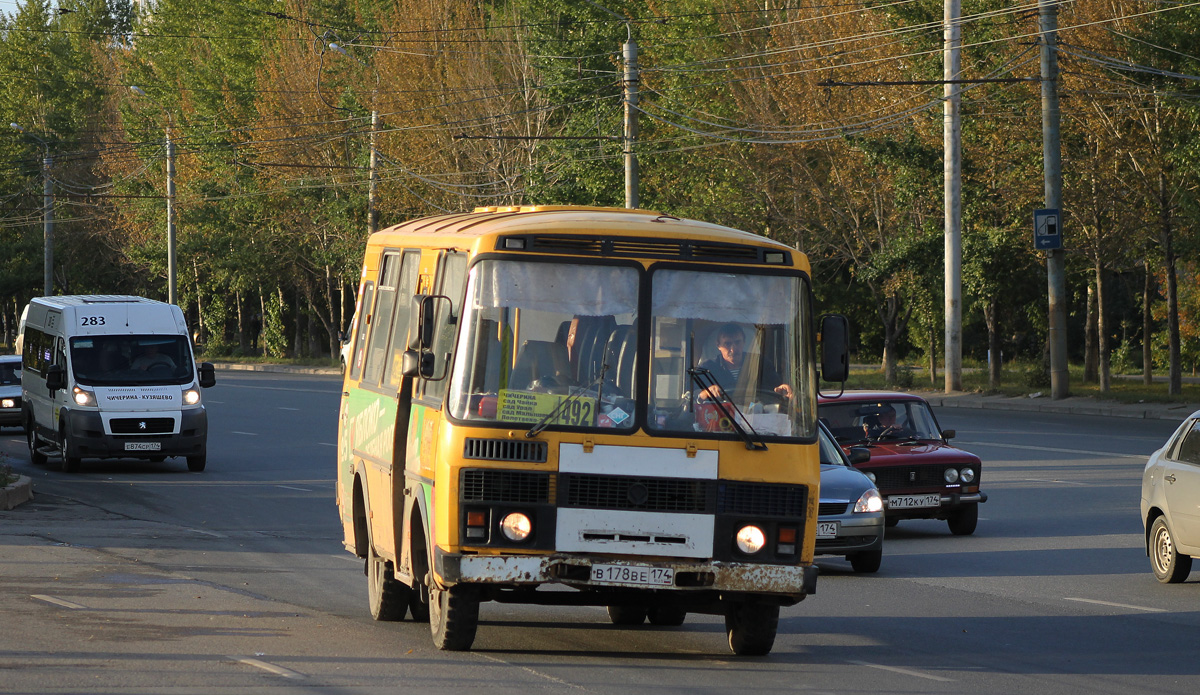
{"type": "Point", "coordinates": [196, 464]}
{"type": "Point", "coordinates": [666, 616]}
{"type": "Point", "coordinates": [387, 597]}
{"type": "Point", "coordinates": [751, 627]}
{"type": "Point", "coordinates": [453, 617]}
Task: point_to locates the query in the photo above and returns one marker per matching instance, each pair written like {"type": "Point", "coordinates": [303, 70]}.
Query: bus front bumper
{"type": "Point", "coordinates": [525, 570]}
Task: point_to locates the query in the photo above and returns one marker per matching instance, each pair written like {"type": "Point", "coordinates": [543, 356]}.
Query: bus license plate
{"type": "Point", "coordinates": [143, 446]}
{"type": "Point", "coordinates": [634, 576]}
{"type": "Point", "coordinates": [827, 529]}
{"type": "Point", "coordinates": [915, 501]}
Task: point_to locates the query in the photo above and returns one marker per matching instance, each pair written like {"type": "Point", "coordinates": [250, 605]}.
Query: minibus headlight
{"type": "Point", "coordinates": [82, 397]}
{"type": "Point", "coordinates": [8, 403]}
{"type": "Point", "coordinates": [869, 502]}
{"type": "Point", "coordinates": [751, 539]}
{"type": "Point", "coordinates": [951, 475]}
{"type": "Point", "coordinates": [191, 396]}
{"type": "Point", "coordinates": [516, 526]}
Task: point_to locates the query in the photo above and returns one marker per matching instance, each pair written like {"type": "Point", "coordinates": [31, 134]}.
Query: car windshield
{"type": "Point", "coordinates": [10, 373]}
{"type": "Point", "coordinates": [879, 420]}
{"type": "Point", "coordinates": [131, 360]}
{"type": "Point", "coordinates": [831, 453]}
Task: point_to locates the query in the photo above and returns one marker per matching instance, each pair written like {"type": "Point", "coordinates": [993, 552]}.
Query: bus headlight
{"type": "Point", "coordinates": [951, 475]}
{"type": "Point", "coordinates": [82, 397]}
{"type": "Point", "coordinates": [516, 526]}
{"type": "Point", "coordinates": [967, 475]}
{"type": "Point", "coordinates": [869, 502]}
{"type": "Point", "coordinates": [191, 396]}
{"type": "Point", "coordinates": [751, 539]}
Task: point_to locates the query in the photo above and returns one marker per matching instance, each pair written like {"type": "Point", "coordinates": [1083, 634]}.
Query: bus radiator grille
{"type": "Point", "coordinates": [506, 486]}
{"type": "Point", "coordinates": [504, 450]}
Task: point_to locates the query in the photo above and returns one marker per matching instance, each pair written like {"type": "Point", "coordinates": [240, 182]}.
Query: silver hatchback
{"type": "Point", "coordinates": [850, 515]}
{"type": "Point", "coordinates": [1171, 503]}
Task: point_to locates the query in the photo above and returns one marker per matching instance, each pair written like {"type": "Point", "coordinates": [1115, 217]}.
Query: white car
{"type": "Point", "coordinates": [1171, 503]}
{"type": "Point", "coordinates": [10, 391]}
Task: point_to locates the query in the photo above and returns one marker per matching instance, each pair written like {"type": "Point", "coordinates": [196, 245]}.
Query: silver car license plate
{"type": "Point", "coordinates": [827, 529]}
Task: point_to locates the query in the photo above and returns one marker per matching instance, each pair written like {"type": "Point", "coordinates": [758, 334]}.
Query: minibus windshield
{"type": "Point", "coordinates": [131, 360]}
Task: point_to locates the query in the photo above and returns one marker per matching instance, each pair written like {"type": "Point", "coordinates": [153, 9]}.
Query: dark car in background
{"type": "Point", "coordinates": [850, 515]}
{"type": "Point", "coordinates": [918, 472]}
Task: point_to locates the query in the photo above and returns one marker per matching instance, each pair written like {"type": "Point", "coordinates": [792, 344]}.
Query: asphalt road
{"type": "Point", "coordinates": [143, 578]}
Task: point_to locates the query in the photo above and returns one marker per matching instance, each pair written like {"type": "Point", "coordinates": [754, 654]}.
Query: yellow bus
{"type": "Point", "coordinates": [621, 402]}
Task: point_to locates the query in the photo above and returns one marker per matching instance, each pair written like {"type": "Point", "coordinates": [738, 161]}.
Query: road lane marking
{"type": "Point", "coordinates": [903, 671]}
{"type": "Point", "coordinates": [1060, 482]}
{"type": "Point", "coordinates": [534, 672]}
{"type": "Point", "coordinates": [326, 444]}
{"type": "Point", "coordinates": [289, 487]}
{"type": "Point", "coordinates": [272, 668]}
{"type": "Point", "coordinates": [58, 602]}
{"type": "Point", "coordinates": [283, 408]}
{"type": "Point", "coordinates": [1057, 451]}
{"type": "Point", "coordinates": [249, 434]}
{"type": "Point", "coordinates": [214, 534]}
{"type": "Point", "coordinates": [1116, 605]}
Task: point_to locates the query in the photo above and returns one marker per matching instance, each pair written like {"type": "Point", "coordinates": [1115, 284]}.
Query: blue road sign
{"type": "Point", "coordinates": [1047, 229]}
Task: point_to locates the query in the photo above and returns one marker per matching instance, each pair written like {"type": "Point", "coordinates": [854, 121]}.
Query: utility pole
{"type": "Point", "coordinates": [630, 52]}
{"type": "Point", "coordinates": [47, 213]}
{"type": "Point", "coordinates": [952, 171]}
{"type": "Point", "coordinates": [1052, 158]}
{"type": "Point", "coordinates": [172, 269]}
{"type": "Point", "coordinates": [373, 179]}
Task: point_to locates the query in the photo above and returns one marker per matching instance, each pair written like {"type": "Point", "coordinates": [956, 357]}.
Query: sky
{"type": "Point", "coordinates": [8, 7]}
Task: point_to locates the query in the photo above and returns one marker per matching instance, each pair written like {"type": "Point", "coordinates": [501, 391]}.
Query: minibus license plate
{"type": "Point", "coordinates": [636, 576]}
{"type": "Point", "coordinates": [915, 501]}
{"type": "Point", "coordinates": [143, 446]}
{"type": "Point", "coordinates": [827, 529]}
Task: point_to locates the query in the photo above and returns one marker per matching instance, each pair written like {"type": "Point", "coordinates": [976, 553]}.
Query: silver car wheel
{"type": "Point", "coordinates": [1169, 566]}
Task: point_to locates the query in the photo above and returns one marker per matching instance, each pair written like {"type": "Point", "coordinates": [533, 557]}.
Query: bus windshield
{"type": "Point", "coordinates": [557, 343]}
{"type": "Point", "coordinates": [544, 338]}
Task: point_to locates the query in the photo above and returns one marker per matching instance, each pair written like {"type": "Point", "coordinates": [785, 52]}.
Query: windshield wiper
{"type": "Point", "coordinates": [753, 439]}
{"type": "Point", "coordinates": [571, 398]}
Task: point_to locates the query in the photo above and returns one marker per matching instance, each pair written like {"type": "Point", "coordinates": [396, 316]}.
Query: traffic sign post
{"type": "Point", "coordinates": [1047, 230]}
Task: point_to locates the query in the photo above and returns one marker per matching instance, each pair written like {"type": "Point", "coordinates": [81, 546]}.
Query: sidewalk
{"type": "Point", "coordinates": [1074, 405]}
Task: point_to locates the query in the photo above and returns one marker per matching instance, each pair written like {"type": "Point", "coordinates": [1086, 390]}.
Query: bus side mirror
{"type": "Point", "coordinates": [426, 314]}
{"type": "Point", "coordinates": [56, 378]}
{"type": "Point", "coordinates": [419, 364]}
{"type": "Point", "coordinates": [208, 375]}
{"type": "Point", "coordinates": [835, 348]}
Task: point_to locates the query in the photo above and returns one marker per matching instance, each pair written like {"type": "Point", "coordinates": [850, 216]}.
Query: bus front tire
{"type": "Point", "coordinates": [453, 617]}
{"type": "Point", "coordinates": [628, 616]}
{"type": "Point", "coordinates": [196, 464]}
{"type": "Point", "coordinates": [71, 462]}
{"type": "Point", "coordinates": [387, 597]}
{"type": "Point", "coordinates": [751, 627]}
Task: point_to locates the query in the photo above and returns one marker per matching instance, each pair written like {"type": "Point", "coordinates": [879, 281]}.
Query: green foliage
{"type": "Point", "coordinates": [274, 334]}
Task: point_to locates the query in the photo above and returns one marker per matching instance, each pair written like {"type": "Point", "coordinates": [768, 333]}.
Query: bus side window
{"type": "Point", "coordinates": [453, 278]}
{"type": "Point", "coordinates": [407, 287]}
{"type": "Point", "coordinates": [364, 321]}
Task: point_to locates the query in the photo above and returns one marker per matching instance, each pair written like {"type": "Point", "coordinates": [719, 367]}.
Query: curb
{"type": "Point", "coordinates": [1078, 406]}
{"type": "Point", "coordinates": [273, 368]}
{"type": "Point", "coordinates": [17, 493]}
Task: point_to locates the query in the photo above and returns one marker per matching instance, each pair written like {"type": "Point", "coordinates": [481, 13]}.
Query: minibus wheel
{"type": "Point", "coordinates": [197, 463]}
{"type": "Point", "coordinates": [751, 627]}
{"type": "Point", "coordinates": [71, 462]}
{"type": "Point", "coordinates": [36, 457]}
{"type": "Point", "coordinates": [453, 617]}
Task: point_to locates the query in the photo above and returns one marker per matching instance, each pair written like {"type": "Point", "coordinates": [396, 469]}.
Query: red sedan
{"type": "Point", "coordinates": [919, 474]}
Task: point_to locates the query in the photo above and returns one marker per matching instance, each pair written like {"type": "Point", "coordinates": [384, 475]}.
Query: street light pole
{"type": "Point", "coordinates": [47, 214]}
{"type": "Point", "coordinates": [172, 274]}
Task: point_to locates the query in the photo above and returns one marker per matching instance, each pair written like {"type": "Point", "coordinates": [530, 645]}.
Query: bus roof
{"type": "Point", "coordinates": [478, 230]}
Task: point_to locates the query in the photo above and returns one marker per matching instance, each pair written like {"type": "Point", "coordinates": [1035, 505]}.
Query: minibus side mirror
{"type": "Point", "coordinates": [426, 313]}
{"type": "Point", "coordinates": [56, 378]}
{"type": "Point", "coordinates": [835, 348]}
{"type": "Point", "coordinates": [418, 364]}
{"type": "Point", "coordinates": [208, 375]}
